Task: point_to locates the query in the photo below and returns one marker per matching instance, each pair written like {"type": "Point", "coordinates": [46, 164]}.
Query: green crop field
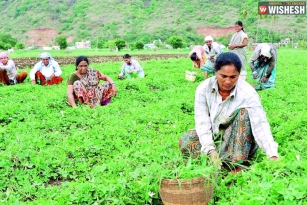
{"type": "Point", "coordinates": [51, 153]}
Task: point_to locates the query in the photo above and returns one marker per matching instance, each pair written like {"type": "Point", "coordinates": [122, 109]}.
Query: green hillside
{"type": "Point", "coordinates": [142, 20]}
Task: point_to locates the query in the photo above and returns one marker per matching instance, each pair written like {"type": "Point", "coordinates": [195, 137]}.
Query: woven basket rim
{"type": "Point", "coordinates": [188, 179]}
{"type": "Point", "coordinates": [175, 181]}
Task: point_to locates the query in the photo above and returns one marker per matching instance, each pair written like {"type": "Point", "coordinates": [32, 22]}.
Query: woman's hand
{"type": "Point", "coordinates": [231, 47]}
{"type": "Point", "coordinates": [215, 159]}
{"type": "Point", "coordinates": [70, 96]}
{"type": "Point", "coordinates": [114, 90]}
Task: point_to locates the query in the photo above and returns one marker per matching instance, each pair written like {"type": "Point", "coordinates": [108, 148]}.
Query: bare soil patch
{"type": "Point", "coordinates": [41, 37]}
{"type": "Point", "coordinates": [216, 31]}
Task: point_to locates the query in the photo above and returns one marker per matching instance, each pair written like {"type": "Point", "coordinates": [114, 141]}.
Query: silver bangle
{"type": "Point", "coordinates": [209, 152]}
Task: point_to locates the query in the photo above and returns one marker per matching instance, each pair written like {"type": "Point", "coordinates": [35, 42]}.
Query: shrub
{"type": "Point", "coordinates": [175, 41]}
{"type": "Point", "coordinates": [139, 45]}
{"type": "Point", "coordinates": [19, 45]}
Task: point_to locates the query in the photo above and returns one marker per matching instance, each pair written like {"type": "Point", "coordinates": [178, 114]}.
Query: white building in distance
{"type": "Point", "coordinates": [83, 44]}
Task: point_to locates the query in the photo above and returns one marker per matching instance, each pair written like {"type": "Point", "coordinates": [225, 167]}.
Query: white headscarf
{"type": "Point", "coordinates": [265, 51]}
{"type": "Point", "coordinates": [209, 38]}
{"type": "Point", "coordinates": [45, 55]}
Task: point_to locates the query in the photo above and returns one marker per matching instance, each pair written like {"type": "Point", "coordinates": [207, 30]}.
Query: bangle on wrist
{"type": "Point", "coordinates": [210, 151]}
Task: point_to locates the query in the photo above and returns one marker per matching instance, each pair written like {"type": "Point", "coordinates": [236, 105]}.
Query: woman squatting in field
{"type": "Point", "coordinates": [229, 118]}
{"type": "Point", "coordinates": [83, 85]}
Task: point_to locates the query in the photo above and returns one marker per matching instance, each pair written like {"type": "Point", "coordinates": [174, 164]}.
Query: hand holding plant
{"type": "Point", "coordinates": [263, 80]}
{"type": "Point", "coordinates": [215, 159]}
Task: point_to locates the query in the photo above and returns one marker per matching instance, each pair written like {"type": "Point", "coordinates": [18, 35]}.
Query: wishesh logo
{"type": "Point", "coordinates": [282, 7]}
{"type": "Point", "coordinates": [263, 9]}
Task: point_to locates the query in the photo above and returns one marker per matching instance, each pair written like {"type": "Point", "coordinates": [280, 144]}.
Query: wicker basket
{"type": "Point", "coordinates": [190, 76]}
{"type": "Point", "coordinates": [195, 191]}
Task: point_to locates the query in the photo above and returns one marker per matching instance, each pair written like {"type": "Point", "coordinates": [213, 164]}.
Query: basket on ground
{"type": "Point", "coordinates": [190, 76]}
{"type": "Point", "coordinates": [195, 191]}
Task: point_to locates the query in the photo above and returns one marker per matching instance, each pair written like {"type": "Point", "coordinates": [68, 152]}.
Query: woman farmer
{"type": "Point", "coordinates": [83, 84]}
{"type": "Point", "coordinates": [198, 56]}
{"type": "Point", "coordinates": [229, 118]}
{"type": "Point", "coordinates": [263, 64]}
{"type": "Point", "coordinates": [237, 45]}
{"type": "Point", "coordinates": [8, 71]}
{"type": "Point", "coordinates": [131, 67]}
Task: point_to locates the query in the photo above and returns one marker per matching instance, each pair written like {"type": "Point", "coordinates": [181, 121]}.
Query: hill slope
{"type": "Point", "coordinates": [132, 20]}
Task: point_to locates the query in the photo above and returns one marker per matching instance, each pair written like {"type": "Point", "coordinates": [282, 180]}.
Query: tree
{"type": "Point", "coordinates": [19, 45]}
{"type": "Point", "coordinates": [139, 45]}
{"type": "Point", "coordinates": [5, 46]}
{"type": "Point", "coordinates": [7, 41]}
{"type": "Point", "coordinates": [61, 41]}
{"type": "Point", "coordinates": [266, 39]}
{"type": "Point", "coordinates": [175, 41]}
{"type": "Point", "coordinates": [120, 43]}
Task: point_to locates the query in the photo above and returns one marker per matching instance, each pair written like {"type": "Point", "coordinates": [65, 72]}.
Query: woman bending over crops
{"type": "Point", "coordinates": [263, 64]}
{"type": "Point", "coordinates": [83, 84]}
{"type": "Point", "coordinates": [131, 68]}
{"type": "Point", "coordinates": [198, 56]}
{"type": "Point", "coordinates": [237, 45]}
{"type": "Point", "coordinates": [229, 118]}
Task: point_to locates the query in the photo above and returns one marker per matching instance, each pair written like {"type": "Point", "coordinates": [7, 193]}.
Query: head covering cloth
{"type": "Point", "coordinates": [45, 55]}
{"type": "Point", "coordinates": [209, 38]}
{"type": "Point", "coordinates": [3, 55]}
{"type": "Point", "coordinates": [265, 51]}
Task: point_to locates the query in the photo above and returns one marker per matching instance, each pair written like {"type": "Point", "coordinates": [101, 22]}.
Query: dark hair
{"type": "Point", "coordinates": [228, 58]}
{"type": "Point", "coordinates": [193, 56]}
{"type": "Point", "coordinates": [81, 58]}
{"type": "Point", "coordinates": [240, 24]}
{"type": "Point", "coordinates": [126, 56]}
